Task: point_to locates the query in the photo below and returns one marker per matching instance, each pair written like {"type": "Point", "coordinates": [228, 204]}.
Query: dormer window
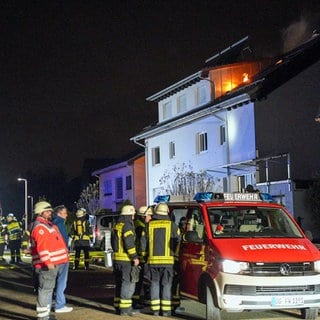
{"type": "Point", "coordinates": [201, 95]}
{"type": "Point", "coordinates": [182, 103]}
{"type": "Point", "coordinates": [167, 110]}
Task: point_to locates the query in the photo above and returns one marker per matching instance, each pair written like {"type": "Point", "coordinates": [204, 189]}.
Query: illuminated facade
{"type": "Point", "coordinates": [221, 120]}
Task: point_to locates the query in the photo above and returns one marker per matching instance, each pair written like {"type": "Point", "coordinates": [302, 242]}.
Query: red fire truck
{"type": "Point", "coordinates": [241, 251]}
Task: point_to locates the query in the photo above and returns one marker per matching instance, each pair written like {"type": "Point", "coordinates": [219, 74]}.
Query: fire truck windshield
{"type": "Point", "coordinates": [248, 222]}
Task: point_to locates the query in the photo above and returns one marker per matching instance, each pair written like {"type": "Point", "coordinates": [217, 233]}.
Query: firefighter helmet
{"type": "Point", "coordinates": [128, 210]}
{"type": "Point", "coordinates": [10, 217]}
{"type": "Point", "coordinates": [42, 206]}
{"type": "Point", "coordinates": [81, 213]}
{"type": "Point", "coordinates": [162, 209]}
{"type": "Point", "coordinates": [149, 211]}
{"type": "Point", "coordinates": [142, 210]}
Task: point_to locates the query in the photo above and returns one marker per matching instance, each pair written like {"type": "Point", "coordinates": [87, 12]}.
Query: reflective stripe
{"type": "Point", "coordinates": [120, 256]}
{"type": "Point", "coordinates": [125, 304]}
{"type": "Point", "coordinates": [155, 305]}
{"type": "Point", "coordinates": [128, 233]}
{"type": "Point", "coordinates": [132, 251]}
{"type": "Point", "coordinates": [154, 302]}
{"type": "Point", "coordinates": [43, 311]}
{"type": "Point", "coordinates": [166, 302]}
{"type": "Point", "coordinates": [166, 305]}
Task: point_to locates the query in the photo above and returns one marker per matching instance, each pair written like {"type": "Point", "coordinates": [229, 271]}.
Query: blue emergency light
{"type": "Point", "coordinates": [203, 196]}
{"type": "Point", "coordinates": [162, 198]}
{"type": "Point", "coordinates": [266, 197]}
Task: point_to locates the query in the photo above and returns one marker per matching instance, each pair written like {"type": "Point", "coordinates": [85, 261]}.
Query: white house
{"type": "Point", "coordinates": [212, 122]}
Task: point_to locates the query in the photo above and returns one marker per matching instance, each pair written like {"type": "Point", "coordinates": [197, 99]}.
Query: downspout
{"type": "Point", "coordinates": [225, 121]}
{"type": "Point", "coordinates": [289, 171]}
{"type": "Point", "coordinates": [146, 167]}
{"type": "Point", "coordinates": [267, 176]}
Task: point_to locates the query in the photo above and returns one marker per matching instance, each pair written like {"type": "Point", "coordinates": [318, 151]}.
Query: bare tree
{"type": "Point", "coordinates": [183, 181]}
{"type": "Point", "coordinates": [89, 198]}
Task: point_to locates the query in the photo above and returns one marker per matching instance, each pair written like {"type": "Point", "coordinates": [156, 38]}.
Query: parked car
{"type": "Point", "coordinates": [101, 224]}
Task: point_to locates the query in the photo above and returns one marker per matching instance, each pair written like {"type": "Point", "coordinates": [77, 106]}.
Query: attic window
{"type": "Point", "coordinates": [167, 110]}
{"type": "Point", "coordinates": [182, 103]}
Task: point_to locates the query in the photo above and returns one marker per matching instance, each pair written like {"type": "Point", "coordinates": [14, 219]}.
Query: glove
{"type": "Point", "coordinates": [135, 274]}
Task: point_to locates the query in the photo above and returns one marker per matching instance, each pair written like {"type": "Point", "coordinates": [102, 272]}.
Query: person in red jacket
{"type": "Point", "coordinates": [48, 250]}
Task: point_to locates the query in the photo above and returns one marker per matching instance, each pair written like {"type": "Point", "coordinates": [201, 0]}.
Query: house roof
{"type": "Point", "coordinates": [226, 56]}
{"type": "Point", "coordinates": [121, 162]}
{"type": "Point", "coordinates": [285, 67]}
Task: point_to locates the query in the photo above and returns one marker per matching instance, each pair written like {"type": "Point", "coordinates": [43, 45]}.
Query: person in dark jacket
{"type": "Point", "coordinates": [82, 236]}
{"type": "Point", "coordinates": [59, 219]}
{"type": "Point", "coordinates": [3, 232]}
{"type": "Point", "coordinates": [140, 225]}
{"type": "Point", "coordinates": [125, 261]}
{"type": "Point", "coordinates": [14, 235]}
{"type": "Point", "coordinates": [161, 239]}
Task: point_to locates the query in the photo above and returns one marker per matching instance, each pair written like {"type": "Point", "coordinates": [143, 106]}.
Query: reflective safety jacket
{"type": "Point", "coordinates": [123, 240]}
{"type": "Point", "coordinates": [3, 232]}
{"type": "Point", "coordinates": [82, 229]}
{"type": "Point", "coordinates": [47, 244]}
{"type": "Point", "coordinates": [161, 240]}
{"type": "Point", "coordinates": [14, 230]}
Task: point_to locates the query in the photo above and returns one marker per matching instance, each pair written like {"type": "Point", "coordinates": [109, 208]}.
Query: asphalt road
{"type": "Point", "coordinates": [90, 293]}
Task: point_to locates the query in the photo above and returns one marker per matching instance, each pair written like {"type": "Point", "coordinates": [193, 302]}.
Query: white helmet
{"type": "Point", "coordinates": [128, 210]}
{"type": "Point", "coordinates": [81, 213]}
{"type": "Point", "coordinates": [42, 206]}
{"type": "Point", "coordinates": [10, 217]}
{"type": "Point", "coordinates": [149, 212]}
{"type": "Point", "coordinates": [162, 209]}
{"type": "Point", "coordinates": [142, 210]}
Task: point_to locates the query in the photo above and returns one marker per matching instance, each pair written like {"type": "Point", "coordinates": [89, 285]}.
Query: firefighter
{"type": "Point", "coordinates": [3, 233]}
{"type": "Point", "coordinates": [82, 236]}
{"type": "Point", "coordinates": [161, 239]}
{"type": "Point", "coordinates": [14, 236]}
{"type": "Point", "coordinates": [140, 224]}
{"type": "Point", "coordinates": [125, 261]}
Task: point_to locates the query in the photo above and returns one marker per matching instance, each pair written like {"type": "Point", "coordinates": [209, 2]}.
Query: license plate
{"type": "Point", "coordinates": [287, 301]}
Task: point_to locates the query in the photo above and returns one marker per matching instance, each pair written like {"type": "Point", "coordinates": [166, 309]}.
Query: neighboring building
{"type": "Point", "coordinates": [123, 180]}
{"type": "Point", "coordinates": [230, 121]}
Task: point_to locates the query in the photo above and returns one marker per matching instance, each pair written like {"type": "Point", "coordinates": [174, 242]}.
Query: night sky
{"type": "Point", "coordinates": [75, 74]}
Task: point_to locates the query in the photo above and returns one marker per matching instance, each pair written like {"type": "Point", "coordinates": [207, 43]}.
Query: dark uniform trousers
{"type": "Point", "coordinates": [176, 298]}
{"type": "Point", "coordinates": [124, 288]}
{"type": "Point", "coordinates": [136, 298]}
{"type": "Point", "coordinates": [15, 246]}
{"type": "Point", "coordinates": [160, 291]}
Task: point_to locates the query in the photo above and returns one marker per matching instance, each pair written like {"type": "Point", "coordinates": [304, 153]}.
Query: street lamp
{"type": "Point", "coordinates": [31, 201]}
{"type": "Point", "coordinates": [25, 201]}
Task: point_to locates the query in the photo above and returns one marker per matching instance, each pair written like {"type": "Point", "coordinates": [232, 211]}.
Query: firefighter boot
{"type": "Point", "coordinates": [76, 265]}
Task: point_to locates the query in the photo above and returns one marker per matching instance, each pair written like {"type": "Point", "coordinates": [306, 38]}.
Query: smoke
{"type": "Point", "coordinates": [295, 34]}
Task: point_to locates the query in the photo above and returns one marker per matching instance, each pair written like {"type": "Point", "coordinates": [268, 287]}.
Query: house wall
{"type": "Point", "coordinates": [139, 182]}
{"type": "Point", "coordinates": [239, 146]}
{"type": "Point", "coordinates": [195, 95]}
{"type": "Point", "coordinates": [110, 201]}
